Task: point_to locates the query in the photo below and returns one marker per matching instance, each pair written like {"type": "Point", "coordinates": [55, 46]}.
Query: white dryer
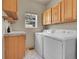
{"type": "Point", "coordinates": [39, 41]}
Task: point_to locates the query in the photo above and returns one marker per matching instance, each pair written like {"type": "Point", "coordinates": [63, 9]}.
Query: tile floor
{"type": "Point", "coordinates": [32, 54]}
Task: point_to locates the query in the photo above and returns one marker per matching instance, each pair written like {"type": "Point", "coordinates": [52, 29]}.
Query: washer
{"type": "Point", "coordinates": [60, 45]}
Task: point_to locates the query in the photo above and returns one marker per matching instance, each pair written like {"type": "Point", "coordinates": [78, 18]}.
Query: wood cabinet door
{"type": "Point", "coordinates": [14, 47]}
{"type": "Point", "coordinates": [11, 50]}
{"type": "Point", "coordinates": [74, 10]}
{"type": "Point", "coordinates": [56, 14]}
{"type": "Point", "coordinates": [62, 11]}
{"type": "Point", "coordinates": [10, 5]}
{"type": "Point", "coordinates": [14, 5]}
{"type": "Point", "coordinates": [44, 18]}
{"type": "Point", "coordinates": [6, 5]}
{"type": "Point", "coordinates": [47, 17]}
{"type": "Point", "coordinates": [68, 10]}
{"type": "Point", "coordinates": [53, 12]}
{"type": "Point", "coordinates": [21, 46]}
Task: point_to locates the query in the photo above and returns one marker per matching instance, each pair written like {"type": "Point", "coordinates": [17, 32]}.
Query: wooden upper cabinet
{"type": "Point", "coordinates": [56, 14]}
{"type": "Point", "coordinates": [6, 5]}
{"type": "Point", "coordinates": [65, 11]}
{"type": "Point", "coordinates": [47, 17]}
{"type": "Point", "coordinates": [10, 8]}
{"type": "Point", "coordinates": [14, 5]}
{"type": "Point", "coordinates": [62, 11]}
{"type": "Point", "coordinates": [10, 5]}
{"type": "Point", "coordinates": [74, 10]}
{"type": "Point", "coordinates": [44, 18]}
{"type": "Point", "coordinates": [68, 10]}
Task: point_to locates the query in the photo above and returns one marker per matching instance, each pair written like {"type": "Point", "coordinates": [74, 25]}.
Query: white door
{"type": "Point", "coordinates": [52, 48]}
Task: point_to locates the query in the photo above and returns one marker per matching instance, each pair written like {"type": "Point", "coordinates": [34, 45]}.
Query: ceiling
{"type": "Point", "coordinates": [43, 1]}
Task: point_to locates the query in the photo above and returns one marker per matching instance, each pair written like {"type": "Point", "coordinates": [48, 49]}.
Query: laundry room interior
{"type": "Point", "coordinates": [39, 29]}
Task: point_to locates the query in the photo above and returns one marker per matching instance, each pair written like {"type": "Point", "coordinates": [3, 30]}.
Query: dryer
{"type": "Point", "coordinates": [39, 41]}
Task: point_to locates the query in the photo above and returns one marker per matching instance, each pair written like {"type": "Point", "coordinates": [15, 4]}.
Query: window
{"type": "Point", "coordinates": [30, 20]}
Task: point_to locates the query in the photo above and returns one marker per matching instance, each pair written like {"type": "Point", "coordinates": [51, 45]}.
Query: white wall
{"type": "Point", "coordinates": [52, 3]}
{"type": "Point", "coordinates": [72, 25]}
{"type": "Point", "coordinates": [28, 6]}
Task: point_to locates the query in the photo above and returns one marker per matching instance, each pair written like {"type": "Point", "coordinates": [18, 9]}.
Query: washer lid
{"type": "Point", "coordinates": [63, 35]}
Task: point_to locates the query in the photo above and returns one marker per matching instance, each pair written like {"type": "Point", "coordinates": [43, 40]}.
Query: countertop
{"type": "Point", "coordinates": [14, 33]}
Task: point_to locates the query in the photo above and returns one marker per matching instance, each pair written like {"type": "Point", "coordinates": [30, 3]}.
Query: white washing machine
{"type": "Point", "coordinates": [57, 44]}
{"type": "Point", "coordinates": [60, 45]}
